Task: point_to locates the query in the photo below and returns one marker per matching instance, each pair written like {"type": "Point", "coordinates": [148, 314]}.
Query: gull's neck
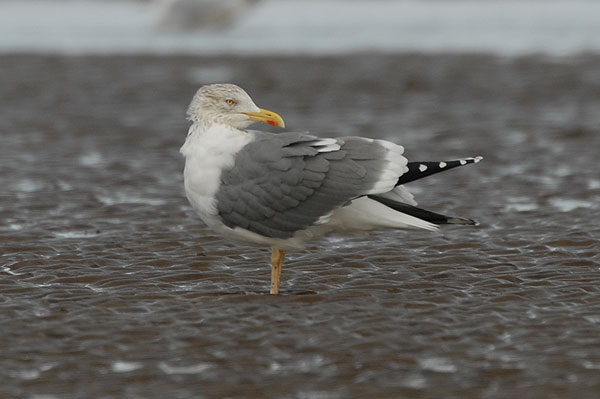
{"type": "Point", "coordinates": [207, 137]}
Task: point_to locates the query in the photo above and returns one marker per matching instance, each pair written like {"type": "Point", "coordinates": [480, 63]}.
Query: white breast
{"type": "Point", "coordinates": [208, 150]}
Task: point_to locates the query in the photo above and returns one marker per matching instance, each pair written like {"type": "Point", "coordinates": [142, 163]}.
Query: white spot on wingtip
{"type": "Point", "coordinates": [477, 158]}
{"type": "Point", "coordinates": [443, 164]}
{"type": "Point", "coordinates": [462, 162]}
{"type": "Point", "coordinates": [422, 168]}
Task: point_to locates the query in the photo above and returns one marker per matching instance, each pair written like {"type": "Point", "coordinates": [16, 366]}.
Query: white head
{"type": "Point", "coordinates": [230, 105]}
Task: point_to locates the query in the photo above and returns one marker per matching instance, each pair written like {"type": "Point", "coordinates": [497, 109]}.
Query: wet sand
{"type": "Point", "coordinates": [111, 287]}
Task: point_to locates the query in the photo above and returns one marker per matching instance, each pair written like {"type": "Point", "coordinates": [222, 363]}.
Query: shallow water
{"type": "Point", "coordinates": [111, 287]}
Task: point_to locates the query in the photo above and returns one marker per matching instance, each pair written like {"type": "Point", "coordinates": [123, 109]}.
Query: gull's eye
{"type": "Point", "coordinates": [230, 101]}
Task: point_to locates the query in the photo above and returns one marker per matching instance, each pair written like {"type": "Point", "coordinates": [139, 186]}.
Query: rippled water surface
{"type": "Point", "coordinates": [111, 287]}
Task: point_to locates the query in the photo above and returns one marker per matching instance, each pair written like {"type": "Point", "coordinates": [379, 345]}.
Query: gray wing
{"type": "Point", "coordinates": [283, 183]}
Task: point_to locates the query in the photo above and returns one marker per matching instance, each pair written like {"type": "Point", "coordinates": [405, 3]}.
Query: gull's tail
{"type": "Point", "coordinates": [419, 170]}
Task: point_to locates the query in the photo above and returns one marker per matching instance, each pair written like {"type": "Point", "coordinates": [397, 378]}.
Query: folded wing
{"type": "Point", "coordinates": [283, 183]}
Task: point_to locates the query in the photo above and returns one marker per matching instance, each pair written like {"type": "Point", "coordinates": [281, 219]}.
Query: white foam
{"type": "Point", "coordinates": [95, 289]}
{"type": "Point", "coordinates": [15, 226]}
{"type": "Point", "coordinates": [74, 234]}
{"type": "Point", "coordinates": [191, 369]}
{"type": "Point", "coordinates": [123, 198]}
{"type": "Point", "coordinates": [29, 186]}
{"type": "Point", "coordinates": [520, 204]}
{"type": "Point", "coordinates": [414, 381]}
{"type": "Point", "coordinates": [593, 184]}
{"type": "Point", "coordinates": [522, 207]}
{"type": "Point", "coordinates": [124, 367]}
{"type": "Point", "coordinates": [28, 374]}
{"type": "Point", "coordinates": [591, 365]}
{"type": "Point", "coordinates": [595, 319]}
{"type": "Point", "coordinates": [437, 364]}
{"type": "Point", "coordinates": [567, 205]}
{"type": "Point", "coordinates": [91, 159]}
{"type": "Point", "coordinates": [8, 270]}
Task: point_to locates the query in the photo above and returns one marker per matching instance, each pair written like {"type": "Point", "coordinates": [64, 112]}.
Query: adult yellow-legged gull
{"type": "Point", "coordinates": [280, 190]}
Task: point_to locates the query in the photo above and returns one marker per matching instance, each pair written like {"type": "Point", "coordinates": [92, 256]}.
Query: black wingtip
{"type": "Point", "coordinates": [457, 220]}
{"type": "Point", "coordinates": [419, 170]}
{"type": "Point", "coordinates": [423, 214]}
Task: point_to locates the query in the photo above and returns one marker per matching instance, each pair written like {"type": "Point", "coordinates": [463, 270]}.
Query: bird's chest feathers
{"type": "Point", "coordinates": [208, 151]}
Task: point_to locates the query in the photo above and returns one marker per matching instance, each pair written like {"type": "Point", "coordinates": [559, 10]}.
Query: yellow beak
{"type": "Point", "coordinates": [266, 116]}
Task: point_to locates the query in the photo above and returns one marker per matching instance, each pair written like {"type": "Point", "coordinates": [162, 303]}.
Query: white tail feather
{"type": "Point", "coordinates": [367, 214]}
{"type": "Point", "coordinates": [400, 194]}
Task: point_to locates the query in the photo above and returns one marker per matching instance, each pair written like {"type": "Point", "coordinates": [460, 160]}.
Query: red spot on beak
{"type": "Point", "coordinates": [272, 123]}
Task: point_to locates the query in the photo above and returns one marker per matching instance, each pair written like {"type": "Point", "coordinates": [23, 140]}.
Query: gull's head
{"type": "Point", "coordinates": [230, 105]}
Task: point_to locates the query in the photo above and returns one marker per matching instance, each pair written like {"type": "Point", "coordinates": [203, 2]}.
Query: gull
{"type": "Point", "coordinates": [198, 15]}
{"type": "Point", "coordinates": [280, 190]}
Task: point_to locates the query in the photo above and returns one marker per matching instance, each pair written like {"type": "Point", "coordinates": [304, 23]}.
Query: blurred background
{"type": "Point", "coordinates": [295, 26]}
{"type": "Point", "coordinates": [111, 287]}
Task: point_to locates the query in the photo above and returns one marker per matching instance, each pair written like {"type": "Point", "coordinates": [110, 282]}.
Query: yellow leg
{"type": "Point", "coordinates": [276, 263]}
